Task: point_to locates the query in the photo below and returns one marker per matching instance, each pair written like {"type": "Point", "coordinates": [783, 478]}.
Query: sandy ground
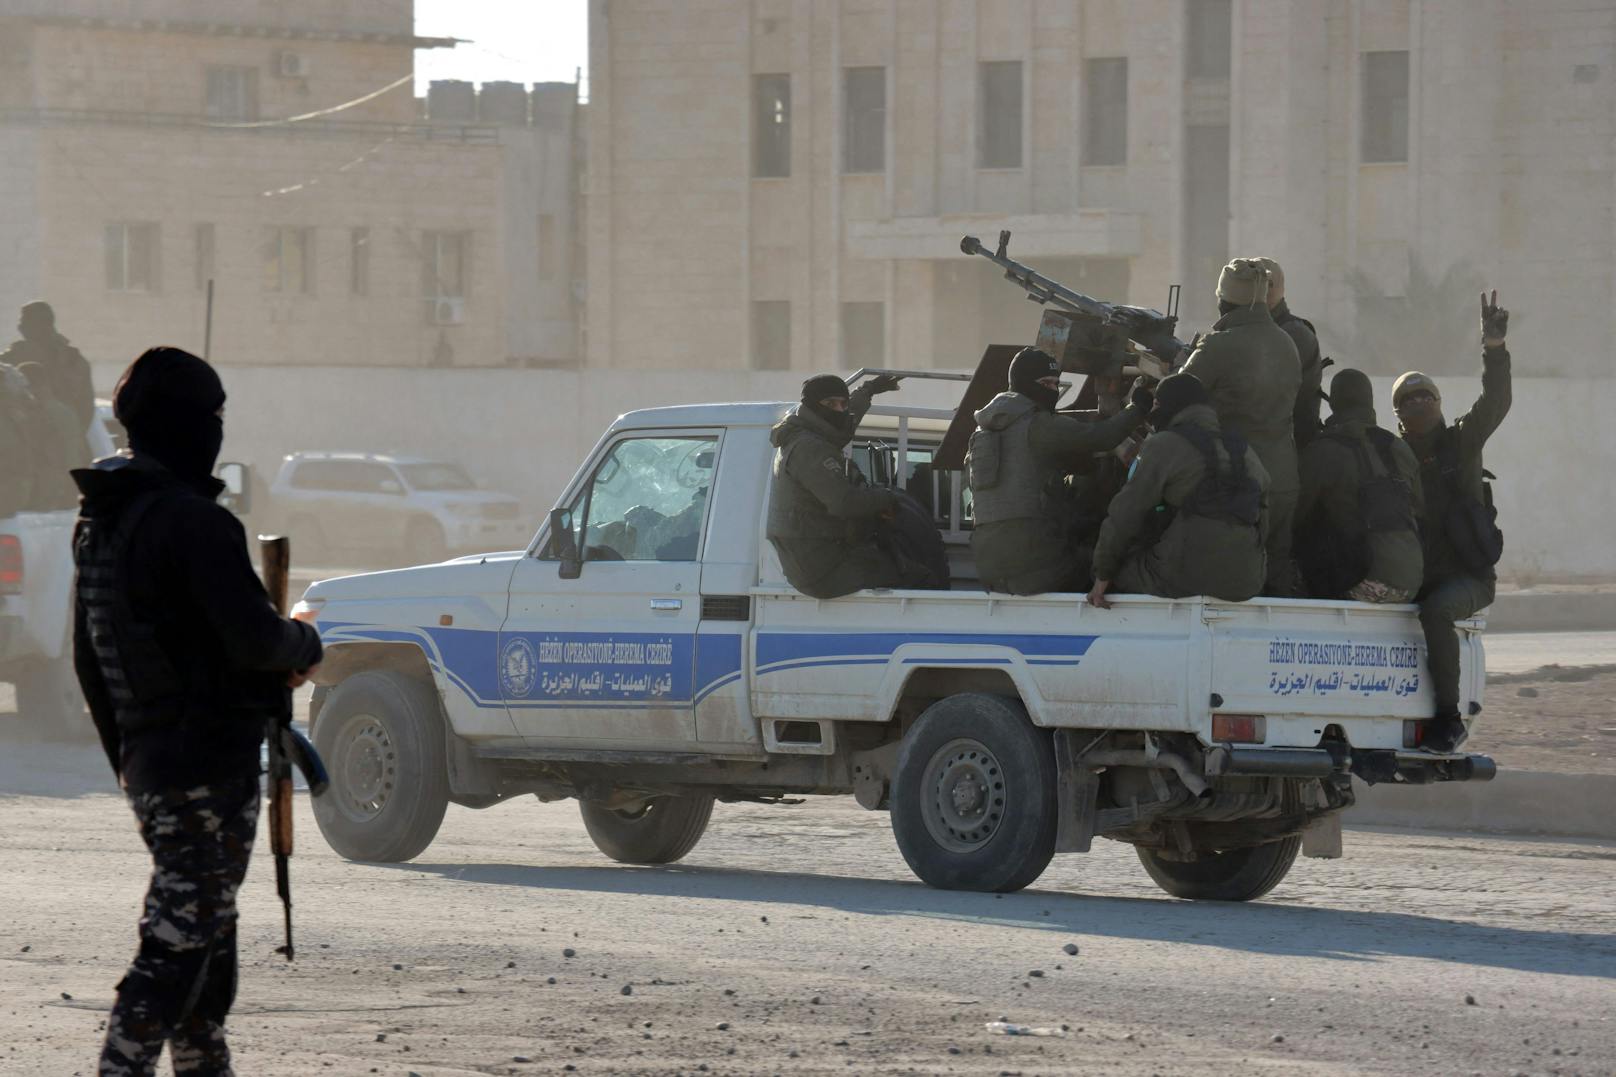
{"type": "Point", "coordinates": [1556, 718]}
{"type": "Point", "coordinates": [794, 940]}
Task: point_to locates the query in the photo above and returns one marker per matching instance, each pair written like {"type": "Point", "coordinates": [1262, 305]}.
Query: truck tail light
{"type": "Point", "coordinates": [1413, 733]}
{"type": "Point", "coordinates": [10, 565]}
{"type": "Point", "coordinates": [1239, 728]}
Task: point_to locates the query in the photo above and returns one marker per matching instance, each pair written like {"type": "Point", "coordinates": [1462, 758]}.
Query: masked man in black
{"type": "Point", "coordinates": [182, 659]}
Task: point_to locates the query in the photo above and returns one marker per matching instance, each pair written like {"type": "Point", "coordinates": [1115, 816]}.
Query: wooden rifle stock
{"type": "Point", "coordinates": [275, 552]}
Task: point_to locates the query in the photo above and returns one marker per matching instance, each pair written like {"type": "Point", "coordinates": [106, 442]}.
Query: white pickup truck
{"type": "Point", "coordinates": [36, 605]}
{"type": "Point", "coordinates": [645, 655]}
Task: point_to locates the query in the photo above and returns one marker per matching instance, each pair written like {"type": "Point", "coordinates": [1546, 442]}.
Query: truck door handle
{"type": "Point", "coordinates": [668, 604]}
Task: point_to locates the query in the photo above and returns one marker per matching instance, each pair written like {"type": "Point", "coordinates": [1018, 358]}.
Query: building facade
{"type": "Point", "coordinates": [282, 156]}
{"type": "Point", "coordinates": [783, 184]}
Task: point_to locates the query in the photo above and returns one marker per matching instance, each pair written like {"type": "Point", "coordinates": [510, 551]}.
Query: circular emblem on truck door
{"type": "Point", "coordinates": [518, 668]}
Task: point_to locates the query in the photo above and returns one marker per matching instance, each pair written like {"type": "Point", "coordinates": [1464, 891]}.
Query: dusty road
{"type": "Point", "coordinates": [793, 940]}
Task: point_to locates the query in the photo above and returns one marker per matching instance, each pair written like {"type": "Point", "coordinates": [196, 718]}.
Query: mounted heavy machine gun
{"type": "Point", "coordinates": [1084, 334]}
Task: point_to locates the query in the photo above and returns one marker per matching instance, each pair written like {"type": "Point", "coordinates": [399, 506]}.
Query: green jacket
{"type": "Point", "coordinates": [1305, 424]}
{"type": "Point", "coordinates": [1330, 481]}
{"type": "Point", "coordinates": [1472, 431]}
{"type": "Point", "coordinates": [1195, 555]}
{"type": "Point", "coordinates": [1029, 550]}
{"type": "Point", "coordinates": [816, 514]}
{"type": "Point", "coordinates": [1250, 367]}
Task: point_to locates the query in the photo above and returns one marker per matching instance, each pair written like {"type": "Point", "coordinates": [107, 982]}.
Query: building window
{"type": "Point", "coordinates": [1105, 111]}
{"type": "Point", "coordinates": [864, 100]}
{"type": "Point", "coordinates": [204, 256]}
{"type": "Point", "coordinates": [771, 126]}
{"type": "Point", "coordinates": [443, 264]}
{"type": "Point", "coordinates": [232, 95]}
{"type": "Point", "coordinates": [132, 254]}
{"type": "Point", "coordinates": [771, 334]}
{"type": "Point", "coordinates": [1211, 39]}
{"type": "Point", "coordinates": [289, 261]}
{"type": "Point", "coordinates": [359, 261]}
{"type": "Point", "coordinates": [548, 257]}
{"type": "Point", "coordinates": [998, 115]}
{"type": "Point", "coordinates": [1385, 107]}
{"type": "Point", "coordinates": [864, 335]}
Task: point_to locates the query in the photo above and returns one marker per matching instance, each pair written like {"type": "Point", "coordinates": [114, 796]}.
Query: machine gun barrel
{"type": "Point", "coordinates": [1039, 288]}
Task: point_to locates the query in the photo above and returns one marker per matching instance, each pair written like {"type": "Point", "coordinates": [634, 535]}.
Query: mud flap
{"type": "Point", "coordinates": [1077, 794]}
{"type": "Point", "coordinates": [1321, 839]}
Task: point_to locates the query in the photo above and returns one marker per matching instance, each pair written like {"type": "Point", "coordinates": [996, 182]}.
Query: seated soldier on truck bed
{"type": "Point", "coordinates": [1207, 487]}
{"type": "Point", "coordinates": [820, 523]}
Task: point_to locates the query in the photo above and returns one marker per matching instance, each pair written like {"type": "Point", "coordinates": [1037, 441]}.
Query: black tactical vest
{"type": "Point", "coordinates": [145, 688]}
{"type": "Point", "coordinates": [1229, 493]}
{"type": "Point", "coordinates": [1385, 498]}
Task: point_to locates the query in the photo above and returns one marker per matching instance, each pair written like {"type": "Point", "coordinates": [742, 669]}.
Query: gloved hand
{"type": "Point", "coordinates": [1143, 396]}
{"type": "Point", "coordinates": [885, 383]}
{"type": "Point", "coordinates": [1494, 321]}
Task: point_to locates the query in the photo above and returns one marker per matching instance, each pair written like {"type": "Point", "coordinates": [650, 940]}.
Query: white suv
{"type": "Point", "coordinates": [365, 501]}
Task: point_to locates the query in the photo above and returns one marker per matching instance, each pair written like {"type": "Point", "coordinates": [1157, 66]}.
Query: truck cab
{"type": "Point", "coordinates": [645, 655]}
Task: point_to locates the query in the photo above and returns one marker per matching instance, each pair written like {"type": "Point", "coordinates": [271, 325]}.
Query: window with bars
{"type": "Point", "coordinates": [864, 120]}
{"type": "Point", "coordinates": [359, 261]}
{"type": "Point", "coordinates": [1105, 111]}
{"type": "Point", "coordinates": [1384, 137]}
{"type": "Point", "coordinates": [444, 264]}
{"type": "Point", "coordinates": [289, 260]}
{"type": "Point", "coordinates": [132, 257]}
{"type": "Point", "coordinates": [998, 114]}
{"type": "Point", "coordinates": [771, 126]}
{"type": "Point", "coordinates": [232, 94]}
{"type": "Point", "coordinates": [864, 335]}
{"type": "Point", "coordinates": [771, 334]}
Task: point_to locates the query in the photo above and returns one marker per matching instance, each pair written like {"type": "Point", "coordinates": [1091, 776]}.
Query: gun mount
{"type": "Point", "coordinates": [1087, 335]}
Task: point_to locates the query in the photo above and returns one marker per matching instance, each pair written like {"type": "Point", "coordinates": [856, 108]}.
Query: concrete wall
{"type": "Point", "coordinates": [525, 431]}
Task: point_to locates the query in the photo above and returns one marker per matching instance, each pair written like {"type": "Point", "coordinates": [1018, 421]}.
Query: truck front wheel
{"type": "Point", "coordinates": [1230, 875]}
{"type": "Point", "coordinates": [381, 736]}
{"type": "Point", "coordinates": [658, 831]}
{"type": "Point", "coordinates": [973, 799]}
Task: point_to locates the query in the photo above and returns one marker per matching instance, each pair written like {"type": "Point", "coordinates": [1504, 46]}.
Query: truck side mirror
{"type": "Point", "coordinates": [237, 496]}
{"type": "Point", "coordinates": [564, 544]}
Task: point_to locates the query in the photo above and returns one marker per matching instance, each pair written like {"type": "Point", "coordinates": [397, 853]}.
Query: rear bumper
{"type": "Point", "coordinates": [1372, 765]}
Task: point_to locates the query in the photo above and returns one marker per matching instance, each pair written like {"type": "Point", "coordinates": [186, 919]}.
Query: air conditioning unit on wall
{"type": "Point", "coordinates": [448, 311]}
{"type": "Point", "coordinates": [292, 65]}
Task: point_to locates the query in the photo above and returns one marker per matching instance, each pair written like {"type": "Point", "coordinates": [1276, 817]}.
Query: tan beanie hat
{"type": "Point", "coordinates": [1243, 282]}
{"type": "Point", "coordinates": [1413, 382]}
{"type": "Point", "coordinates": [1276, 275]}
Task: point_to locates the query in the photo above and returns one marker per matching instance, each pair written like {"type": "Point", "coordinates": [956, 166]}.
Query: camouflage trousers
{"type": "Point", "coordinates": [182, 982]}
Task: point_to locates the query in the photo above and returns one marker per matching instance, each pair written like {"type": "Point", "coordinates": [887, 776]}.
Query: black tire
{"type": "Point", "coordinates": [382, 738]}
{"type": "Point", "coordinates": [973, 799]}
{"type": "Point", "coordinates": [1233, 875]}
{"type": "Point", "coordinates": [424, 542]}
{"type": "Point", "coordinates": [661, 831]}
{"type": "Point", "coordinates": [50, 703]}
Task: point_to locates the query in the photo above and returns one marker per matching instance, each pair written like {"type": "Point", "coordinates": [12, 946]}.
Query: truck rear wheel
{"type": "Point", "coordinates": [381, 736]}
{"type": "Point", "coordinates": [659, 831]}
{"type": "Point", "coordinates": [973, 799]}
{"type": "Point", "coordinates": [1231, 875]}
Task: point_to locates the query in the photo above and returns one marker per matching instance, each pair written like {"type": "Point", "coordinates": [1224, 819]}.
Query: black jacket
{"type": "Point", "coordinates": [188, 574]}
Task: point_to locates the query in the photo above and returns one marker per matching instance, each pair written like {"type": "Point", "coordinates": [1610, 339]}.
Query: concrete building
{"type": "Point", "coordinates": [784, 183]}
{"type": "Point", "coordinates": [148, 149]}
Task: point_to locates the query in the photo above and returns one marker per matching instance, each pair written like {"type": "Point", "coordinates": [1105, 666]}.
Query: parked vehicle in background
{"type": "Point", "coordinates": [334, 502]}
{"type": "Point", "coordinates": [36, 604]}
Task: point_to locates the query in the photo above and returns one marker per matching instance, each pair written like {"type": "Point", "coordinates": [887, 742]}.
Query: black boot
{"type": "Point", "coordinates": [1444, 734]}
